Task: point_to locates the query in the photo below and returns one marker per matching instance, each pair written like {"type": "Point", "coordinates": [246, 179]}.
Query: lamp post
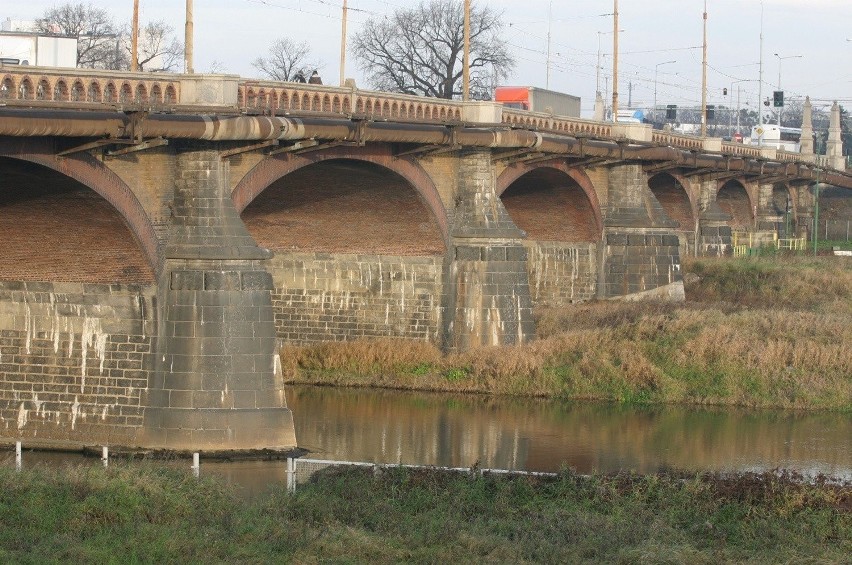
{"type": "Point", "coordinates": [780, 58]}
{"type": "Point", "coordinates": [656, 69]}
{"type": "Point", "coordinates": [738, 99]}
{"type": "Point", "coordinates": [615, 61]}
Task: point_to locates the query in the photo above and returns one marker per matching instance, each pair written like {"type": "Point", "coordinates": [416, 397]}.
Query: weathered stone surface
{"type": "Point", "coordinates": [217, 344]}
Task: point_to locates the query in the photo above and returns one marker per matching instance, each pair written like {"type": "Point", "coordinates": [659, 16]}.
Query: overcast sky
{"type": "Point", "coordinates": [232, 33]}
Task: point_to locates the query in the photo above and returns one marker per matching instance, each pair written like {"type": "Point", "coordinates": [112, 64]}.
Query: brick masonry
{"type": "Point", "coordinates": [338, 297]}
{"type": "Point", "coordinates": [75, 360]}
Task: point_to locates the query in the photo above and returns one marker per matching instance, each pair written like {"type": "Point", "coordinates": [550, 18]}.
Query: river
{"type": "Point", "coordinates": [381, 426]}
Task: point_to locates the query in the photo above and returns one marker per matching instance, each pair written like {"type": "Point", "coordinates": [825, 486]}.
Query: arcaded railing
{"type": "Point", "coordinates": [547, 122]}
{"type": "Point", "coordinates": [256, 95]}
{"type": "Point", "coordinates": [81, 88]}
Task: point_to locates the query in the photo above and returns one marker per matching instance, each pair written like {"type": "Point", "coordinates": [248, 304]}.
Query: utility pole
{"type": "Point", "coordinates": [466, 57]}
{"type": "Point", "coordinates": [188, 32]}
{"type": "Point", "coordinates": [549, 28]}
{"type": "Point", "coordinates": [134, 38]}
{"type": "Point", "coordinates": [343, 45]}
{"type": "Point", "coordinates": [629, 94]}
{"type": "Point", "coordinates": [615, 61]}
{"type": "Point", "coordinates": [704, 79]}
{"type": "Point", "coordinates": [760, 80]}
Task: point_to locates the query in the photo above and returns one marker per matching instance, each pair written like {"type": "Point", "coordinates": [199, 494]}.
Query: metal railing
{"type": "Point", "coordinates": [300, 470]}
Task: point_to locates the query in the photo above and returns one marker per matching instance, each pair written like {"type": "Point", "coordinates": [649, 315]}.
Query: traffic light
{"type": "Point", "coordinates": [778, 98]}
{"type": "Point", "coordinates": [711, 112]}
{"type": "Point", "coordinates": [671, 112]}
{"type": "Point", "coordinates": [724, 92]}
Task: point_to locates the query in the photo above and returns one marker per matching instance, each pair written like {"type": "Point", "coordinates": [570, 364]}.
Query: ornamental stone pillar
{"type": "Point", "coordinates": [217, 384]}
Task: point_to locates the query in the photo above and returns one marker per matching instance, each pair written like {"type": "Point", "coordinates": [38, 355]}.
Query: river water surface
{"type": "Point", "coordinates": [545, 435]}
{"type": "Point", "coordinates": [450, 430]}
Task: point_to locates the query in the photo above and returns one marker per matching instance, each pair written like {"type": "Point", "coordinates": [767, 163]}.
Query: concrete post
{"type": "Point", "coordinates": [217, 383]}
{"type": "Point", "coordinates": [714, 228]}
{"type": "Point", "coordinates": [488, 297]}
{"type": "Point", "coordinates": [641, 254]}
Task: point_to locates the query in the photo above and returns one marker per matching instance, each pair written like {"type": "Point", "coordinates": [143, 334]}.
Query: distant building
{"type": "Point", "coordinates": [19, 45]}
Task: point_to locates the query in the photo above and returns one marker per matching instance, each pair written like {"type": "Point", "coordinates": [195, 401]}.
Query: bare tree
{"type": "Point", "coordinates": [158, 49]}
{"type": "Point", "coordinates": [286, 61]}
{"type": "Point", "coordinates": [420, 50]}
{"type": "Point", "coordinates": [97, 35]}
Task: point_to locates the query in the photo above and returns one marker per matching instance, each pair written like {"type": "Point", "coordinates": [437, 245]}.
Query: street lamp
{"type": "Point", "coordinates": [598, 70]}
{"type": "Point", "coordinates": [780, 58]}
{"type": "Point", "coordinates": [731, 91]}
{"type": "Point", "coordinates": [656, 69]}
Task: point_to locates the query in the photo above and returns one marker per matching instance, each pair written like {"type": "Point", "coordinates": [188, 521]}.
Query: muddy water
{"type": "Point", "coordinates": [536, 435]}
{"type": "Point", "coordinates": [544, 435]}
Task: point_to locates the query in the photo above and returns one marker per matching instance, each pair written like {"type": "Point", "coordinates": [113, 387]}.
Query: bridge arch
{"type": "Point", "coordinates": [673, 192]}
{"type": "Point", "coordinates": [550, 175]}
{"type": "Point", "coordinates": [735, 198]}
{"type": "Point", "coordinates": [272, 169]}
{"type": "Point", "coordinates": [89, 172]}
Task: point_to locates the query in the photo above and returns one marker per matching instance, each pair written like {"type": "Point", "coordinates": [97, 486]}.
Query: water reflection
{"type": "Point", "coordinates": [534, 435]}
{"type": "Point", "coordinates": [544, 435]}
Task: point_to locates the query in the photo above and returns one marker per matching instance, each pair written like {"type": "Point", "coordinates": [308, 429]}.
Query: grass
{"type": "Point", "coordinates": [145, 513]}
{"type": "Point", "coordinates": [756, 332]}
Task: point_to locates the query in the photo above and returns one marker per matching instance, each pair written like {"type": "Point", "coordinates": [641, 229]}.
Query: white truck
{"type": "Point", "coordinates": [536, 99]}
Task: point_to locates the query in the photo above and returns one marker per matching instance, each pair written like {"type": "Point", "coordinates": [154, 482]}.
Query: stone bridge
{"type": "Point", "coordinates": [165, 234]}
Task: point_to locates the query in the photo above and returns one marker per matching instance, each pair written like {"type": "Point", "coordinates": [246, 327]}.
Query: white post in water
{"type": "Point", "coordinates": [105, 456]}
{"type": "Point", "coordinates": [196, 465]}
{"type": "Point", "coordinates": [19, 462]}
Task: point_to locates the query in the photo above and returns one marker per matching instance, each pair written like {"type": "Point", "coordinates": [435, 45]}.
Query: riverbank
{"type": "Point", "coordinates": [754, 332]}
{"type": "Point", "coordinates": [149, 513]}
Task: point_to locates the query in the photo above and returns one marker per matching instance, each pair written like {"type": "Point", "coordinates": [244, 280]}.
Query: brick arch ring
{"type": "Point", "coordinates": [271, 169]}
{"type": "Point", "coordinates": [750, 190]}
{"type": "Point", "coordinates": [688, 187]}
{"type": "Point", "coordinates": [514, 172]}
{"type": "Point", "coordinates": [92, 174]}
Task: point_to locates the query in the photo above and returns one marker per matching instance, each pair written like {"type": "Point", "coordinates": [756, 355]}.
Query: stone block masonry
{"type": "Point", "coordinates": [340, 297]}
{"type": "Point", "coordinates": [562, 273]}
{"type": "Point", "coordinates": [74, 360]}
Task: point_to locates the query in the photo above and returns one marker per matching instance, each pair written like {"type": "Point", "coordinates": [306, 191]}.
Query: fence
{"type": "Point", "coordinates": [835, 230]}
{"type": "Point", "coordinates": [300, 470]}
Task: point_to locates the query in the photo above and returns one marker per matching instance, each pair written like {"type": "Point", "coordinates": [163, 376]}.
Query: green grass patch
{"type": "Point", "coordinates": [144, 513]}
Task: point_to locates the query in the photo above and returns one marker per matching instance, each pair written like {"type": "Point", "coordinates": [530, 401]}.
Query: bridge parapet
{"type": "Point", "coordinates": [84, 87]}
{"type": "Point", "coordinates": [543, 121]}
{"type": "Point", "coordinates": [677, 140]}
{"type": "Point", "coordinates": [741, 150]}
{"type": "Point", "coordinates": [285, 96]}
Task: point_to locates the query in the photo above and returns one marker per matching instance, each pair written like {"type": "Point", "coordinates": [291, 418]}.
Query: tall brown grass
{"type": "Point", "coordinates": [756, 333]}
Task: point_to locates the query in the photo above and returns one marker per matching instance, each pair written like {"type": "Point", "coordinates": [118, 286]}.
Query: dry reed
{"type": "Point", "coordinates": [774, 341]}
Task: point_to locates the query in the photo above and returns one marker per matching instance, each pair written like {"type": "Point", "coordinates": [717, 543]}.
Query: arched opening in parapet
{"type": "Point", "coordinates": [733, 199]}
{"type": "Point", "coordinates": [56, 229]}
{"type": "Point", "coordinates": [672, 196]}
{"type": "Point", "coordinates": [344, 206]}
{"type": "Point", "coordinates": [551, 206]}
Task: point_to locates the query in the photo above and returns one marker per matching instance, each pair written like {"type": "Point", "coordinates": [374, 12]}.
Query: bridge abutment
{"type": "Point", "coordinates": [641, 255]}
{"type": "Point", "coordinates": [487, 292]}
{"type": "Point", "coordinates": [216, 383]}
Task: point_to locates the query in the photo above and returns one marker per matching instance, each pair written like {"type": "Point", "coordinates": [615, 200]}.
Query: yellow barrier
{"type": "Point", "coordinates": [793, 244]}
